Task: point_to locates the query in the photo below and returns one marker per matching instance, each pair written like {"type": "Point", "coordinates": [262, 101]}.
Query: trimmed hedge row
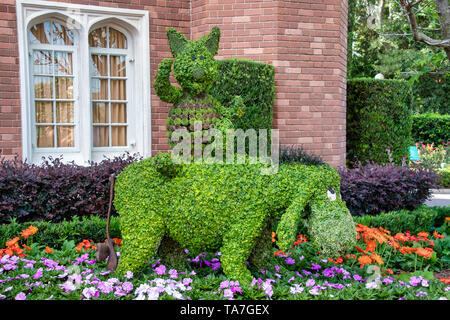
{"type": "Point", "coordinates": [432, 93]}
{"type": "Point", "coordinates": [431, 128]}
{"type": "Point", "coordinates": [93, 228]}
{"type": "Point", "coordinates": [422, 218]}
{"type": "Point", "coordinates": [255, 83]}
{"type": "Point", "coordinates": [378, 117]}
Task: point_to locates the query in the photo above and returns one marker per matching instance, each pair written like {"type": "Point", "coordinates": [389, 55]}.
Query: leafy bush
{"type": "Point", "coordinates": [54, 234]}
{"type": "Point", "coordinates": [222, 206]}
{"type": "Point", "coordinates": [254, 82]}
{"type": "Point", "coordinates": [373, 188]}
{"type": "Point", "coordinates": [378, 116]}
{"type": "Point", "coordinates": [432, 94]}
{"type": "Point", "coordinates": [444, 174]}
{"type": "Point", "coordinates": [431, 128]}
{"type": "Point", "coordinates": [299, 155]}
{"type": "Point", "coordinates": [54, 191]}
{"type": "Point", "coordinates": [422, 218]}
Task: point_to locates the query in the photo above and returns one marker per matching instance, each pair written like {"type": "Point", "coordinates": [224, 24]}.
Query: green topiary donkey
{"type": "Point", "coordinates": [195, 70]}
{"type": "Point", "coordinates": [227, 207]}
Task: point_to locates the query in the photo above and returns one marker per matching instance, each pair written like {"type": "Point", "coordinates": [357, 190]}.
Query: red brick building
{"type": "Point", "coordinates": [76, 77]}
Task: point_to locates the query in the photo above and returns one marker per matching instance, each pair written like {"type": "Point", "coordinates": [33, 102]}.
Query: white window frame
{"type": "Point", "coordinates": [85, 18]}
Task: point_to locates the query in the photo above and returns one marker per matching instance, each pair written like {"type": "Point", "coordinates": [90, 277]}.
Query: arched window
{"type": "Point", "coordinates": [109, 99]}
{"type": "Point", "coordinates": [52, 50]}
{"type": "Point", "coordinates": [85, 90]}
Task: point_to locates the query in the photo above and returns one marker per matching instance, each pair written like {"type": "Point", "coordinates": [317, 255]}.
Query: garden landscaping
{"type": "Point", "coordinates": [383, 265]}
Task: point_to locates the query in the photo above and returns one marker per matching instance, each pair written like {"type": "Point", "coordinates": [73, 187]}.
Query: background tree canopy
{"type": "Point", "coordinates": [380, 40]}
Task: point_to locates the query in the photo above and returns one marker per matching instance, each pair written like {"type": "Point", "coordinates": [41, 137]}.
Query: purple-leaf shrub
{"type": "Point", "coordinates": [54, 190]}
{"type": "Point", "coordinates": [373, 188]}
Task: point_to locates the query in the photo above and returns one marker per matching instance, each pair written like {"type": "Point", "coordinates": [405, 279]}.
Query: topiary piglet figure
{"type": "Point", "coordinates": [195, 70]}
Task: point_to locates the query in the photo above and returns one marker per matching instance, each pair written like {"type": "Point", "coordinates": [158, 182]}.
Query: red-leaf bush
{"type": "Point", "coordinates": [373, 188]}
{"type": "Point", "coordinates": [54, 191]}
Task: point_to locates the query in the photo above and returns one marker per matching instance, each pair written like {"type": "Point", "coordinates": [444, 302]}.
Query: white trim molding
{"type": "Point", "coordinates": [83, 19]}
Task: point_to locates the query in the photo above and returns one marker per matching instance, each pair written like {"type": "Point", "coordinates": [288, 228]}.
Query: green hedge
{"type": "Point", "coordinates": [255, 83]}
{"type": "Point", "coordinates": [378, 116]}
{"type": "Point", "coordinates": [432, 93]}
{"type": "Point", "coordinates": [54, 234]}
{"type": "Point", "coordinates": [431, 128]}
{"type": "Point", "coordinates": [421, 219]}
{"type": "Point", "coordinates": [445, 177]}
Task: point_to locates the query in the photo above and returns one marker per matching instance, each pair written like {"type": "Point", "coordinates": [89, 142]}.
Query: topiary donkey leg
{"type": "Point", "coordinates": [238, 243]}
{"type": "Point", "coordinates": [289, 221]}
{"type": "Point", "coordinates": [141, 238]}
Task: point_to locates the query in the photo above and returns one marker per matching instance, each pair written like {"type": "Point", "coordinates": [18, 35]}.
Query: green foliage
{"type": "Point", "coordinates": [378, 117]}
{"type": "Point", "coordinates": [445, 177]}
{"type": "Point", "coordinates": [431, 128]}
{"type": "Point", "coordinates": [254, 83]}
{"type": "Point", "coordinates": [421, 219]}
{"type": "Point", "coordinates": [331, 228]}
{"type": "Point", "coordinates": [432, 94]}
{"type": "Point", "coordinates": [218, 206]}
{"type": "Point", "coordinates": [55, 234]}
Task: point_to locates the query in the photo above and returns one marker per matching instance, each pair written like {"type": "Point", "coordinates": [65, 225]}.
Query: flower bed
{"type": "Point", "coordinates": [375, 270]}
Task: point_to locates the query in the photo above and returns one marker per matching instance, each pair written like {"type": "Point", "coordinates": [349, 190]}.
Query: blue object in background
{"type": "Point", "coordinates": [413, 153]}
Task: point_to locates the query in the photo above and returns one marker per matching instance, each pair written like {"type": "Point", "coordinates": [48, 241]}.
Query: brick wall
{"type": "Point", "coordinates": [304, 39]}
{"type": "Point", "coordinates": [306, 42]}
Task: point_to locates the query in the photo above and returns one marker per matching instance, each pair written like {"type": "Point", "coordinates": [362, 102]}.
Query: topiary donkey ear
{"type": "Point", "coordinates": [177, 41]}
{"type": "Point", "coordinates": [212, 41]}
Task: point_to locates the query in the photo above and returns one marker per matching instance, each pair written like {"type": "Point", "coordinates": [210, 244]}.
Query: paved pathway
{"type": "Point", "coordinates": [439, 198]}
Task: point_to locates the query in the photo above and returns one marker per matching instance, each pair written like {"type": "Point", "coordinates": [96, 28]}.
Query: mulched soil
{"type": "Point", "coordinates": [444, 274]}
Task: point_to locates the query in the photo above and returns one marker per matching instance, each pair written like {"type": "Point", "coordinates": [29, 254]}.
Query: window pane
{"type": "Point", "coordinates": [62, 35]}
{"type": "Point", "coordinates": [118, 136]}
{"type": "Point", "coordinates": [117, 39]}
{"type": "Point", "coordinates": [118, 66]}
{"type": "Point", "coordinates": [100, 65]}
{"type": "Point", "coordinates": [42, 62]}
{"type": "Point", "coordinates": [64, 112]}
{"type": "Point", "coordinates": [118, 113]}
{"type": "Point", "coordinates": [101, 136]}
{"type": "Point", "coordinates": [40, 33]}
{"type": "Point", "coordinates": [65, 136]}
{"type": "Point", "coordinates": [45, 136]}
{"type": "Point", "coordinates": [100, 112]}
{"type": "Point", "coordinates": [44, 112]}
{"type": "Point", "coordinates": [63, 63]}
{"type": "Point", "coordinates": [64, 88]}
{"type": "Point", "coordinates": [97, 38]}
{"type": "Point", "coordinates": [99, 89]}
{"type": "Point", "coordinates": [43, 87]}
{"type": "Point", "coordinates": [118, 89]}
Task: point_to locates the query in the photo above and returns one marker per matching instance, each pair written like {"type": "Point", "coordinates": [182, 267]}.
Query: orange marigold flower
{"type": "Point", "coordinates": [447, 218]}
{"type": "Point", "coordinates": [446, 281]}
{"type": "Point", "coordinates": [273, 236]}
{"type": "Point", "coordinates": [48, 250]}
{"type": "Point", "coordinates": [376, 258]}
{"type": "Point", "coordinates": [437, 235]}
{"type": "Point", "coordinates": [390, 271]}
{"type": "Point", "coordinates": [277, 253]}
{"type": "Point", "coordinates": [400, 237]}
{"type": "Point", "coordinates": [339, 260]}
{"type": "Point", "coordinates": [423, 234]}
{"type": "Point", "coordinates": [424, 253]}
{"type": "Point", "coordinates": [26, 247]}
{"type": "Point", "coordinates": [371, 245]}
{"type": "Point", "coordinates": [364, 260]}
{"type": "Point", "coordinates": [12, 242]}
